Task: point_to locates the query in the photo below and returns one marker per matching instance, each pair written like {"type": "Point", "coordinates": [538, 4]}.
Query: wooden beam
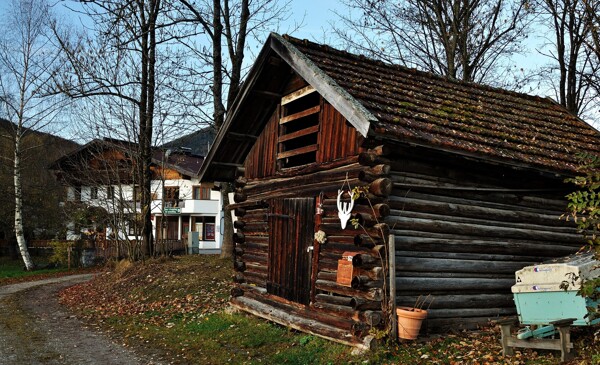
{"type": "Point", "coordinates": [297, 151]}
{"type": "Point", "coordinates": [391, 275]}
{"type": "Point", "coordinates": [302, 114]}
{"type": "Point", "coordinates": [297, 94]}
{"type": "Point", "coordinates": [241, 136]}
{"type": "Point", "coordinates": [293, 320]}
{"type": "Point", "coordinates": [227, 164]}
{"type": "Point", "coordinates": [474, 188]}
{"type": "Point", "coordinates": [266, 94]}
{"type": "Point", "coordinates": [300, 133]}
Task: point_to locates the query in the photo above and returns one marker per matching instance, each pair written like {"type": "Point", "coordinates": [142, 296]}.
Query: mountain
{"type": "Point", "coordinates": [41, 191]}
{"type": "Point", "coordinates": [198, 143]}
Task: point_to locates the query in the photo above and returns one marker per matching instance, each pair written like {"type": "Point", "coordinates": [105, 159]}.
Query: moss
{"type": "Point", "coordinates": [440, 113]}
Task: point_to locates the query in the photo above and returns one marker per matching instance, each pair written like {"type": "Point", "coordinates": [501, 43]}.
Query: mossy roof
{"type": "Point", "coordinates": [434, 111]}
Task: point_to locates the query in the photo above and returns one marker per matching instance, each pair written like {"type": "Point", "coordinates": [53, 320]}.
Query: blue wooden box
{"type": "Point", "coordinates": [548, 292]}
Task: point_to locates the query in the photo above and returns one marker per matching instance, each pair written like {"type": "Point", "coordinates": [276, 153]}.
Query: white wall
{"type": "Point", "coordinates": [190, 207]}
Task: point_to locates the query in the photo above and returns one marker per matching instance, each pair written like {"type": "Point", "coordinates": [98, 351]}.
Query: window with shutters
{"type": "Point", "coordinates": [298, 128]}
{"type": "Point", "coordinates": [201, 193]}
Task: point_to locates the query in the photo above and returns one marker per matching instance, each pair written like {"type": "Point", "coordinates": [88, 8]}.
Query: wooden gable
{"type": "Point", "coordinates": [160, 173]}
{"type": "Point", "coordinates": [109, 158]}
{"type": "Point", "coordinates": [304, 130]}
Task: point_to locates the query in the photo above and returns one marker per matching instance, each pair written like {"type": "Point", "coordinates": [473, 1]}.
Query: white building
{"type": "Point", "coordinates": [185, 213]}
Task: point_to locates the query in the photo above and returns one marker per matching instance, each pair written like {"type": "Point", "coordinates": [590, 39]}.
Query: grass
{"type": "Point", "coordinates": [177, 309]}
{"type": "Point", "coordinates": [229, 338]}
{"type": "Point", "coordinates": [12, 271]}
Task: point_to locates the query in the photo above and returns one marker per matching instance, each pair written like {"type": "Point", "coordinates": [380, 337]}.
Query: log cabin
{"type": "Point", "coordinates": [464, 184]}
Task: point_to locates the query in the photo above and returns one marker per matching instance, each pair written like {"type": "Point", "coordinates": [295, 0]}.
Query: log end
{"type": "Point", "coordinates": [236, 292]}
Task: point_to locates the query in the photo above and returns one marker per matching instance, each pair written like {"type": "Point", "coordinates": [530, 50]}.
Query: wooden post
{"type": "Point", "coordinates": [564, 330]}
{"type": "Point", "coordinates": [505, 328]}
{"type": "Point", "coordinates": [316, 248]}
{"type": "Point", "coordinates": [69, 248]}
{"type": "Point", "coordinates": [392, 283]}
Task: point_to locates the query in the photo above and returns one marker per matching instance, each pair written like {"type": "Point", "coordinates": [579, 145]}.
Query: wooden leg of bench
{"type": "Point", "coordinates": [566, 353]}
{"type": "Point", "coordinates": [506, 349]}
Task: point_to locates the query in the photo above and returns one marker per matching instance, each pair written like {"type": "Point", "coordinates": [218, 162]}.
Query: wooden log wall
{"type": "Point", "coordinates": [354, 308]}
{"type": "Point", "coordinates": [462, 229]}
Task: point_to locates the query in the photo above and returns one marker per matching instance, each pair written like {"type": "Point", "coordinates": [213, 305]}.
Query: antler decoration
{"type": "Point", "coordinates": [344, 209]}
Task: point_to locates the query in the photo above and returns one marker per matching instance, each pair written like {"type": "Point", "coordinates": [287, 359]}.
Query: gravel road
{"type": "Point", "coordinates": [36, 330]}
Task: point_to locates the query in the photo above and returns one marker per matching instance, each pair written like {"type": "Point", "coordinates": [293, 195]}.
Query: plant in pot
{"type": "Point", "coordinates": [411, 318]}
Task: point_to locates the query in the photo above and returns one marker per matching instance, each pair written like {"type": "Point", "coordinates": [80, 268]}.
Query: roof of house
{"type": "Point", "coordinates": [180, 160]}
{"type": "Point", "coordinates": [393, 102]}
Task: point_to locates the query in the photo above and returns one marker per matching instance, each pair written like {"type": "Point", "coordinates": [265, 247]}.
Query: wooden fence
{"type": "Point", "coordinates": [30, 243]}
{"type": "Point", "coordinates": [121, 248]}
{"type": "Point", "coordinates": [117, 248]}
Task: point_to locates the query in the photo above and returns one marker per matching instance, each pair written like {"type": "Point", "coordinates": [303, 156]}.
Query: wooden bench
{"type": "Point", "coordinates": [563, 343]}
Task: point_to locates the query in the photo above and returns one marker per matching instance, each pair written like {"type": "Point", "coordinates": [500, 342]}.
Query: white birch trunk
{"type": "Point", "coordinates": [19, 233]}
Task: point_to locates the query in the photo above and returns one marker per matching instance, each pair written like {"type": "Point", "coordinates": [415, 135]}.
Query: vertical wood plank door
{"type": "Point", "coordinates": [291, 232]}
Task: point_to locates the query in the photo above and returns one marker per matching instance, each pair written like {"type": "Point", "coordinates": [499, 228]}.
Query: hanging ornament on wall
{"type": "Point", "coordinates": [320, 210]}
{"type": "Point", "coordinates": [345, 209]}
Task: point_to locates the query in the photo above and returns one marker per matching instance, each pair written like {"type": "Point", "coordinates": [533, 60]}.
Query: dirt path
{"type": "Point", "coordinates": [36, 330]}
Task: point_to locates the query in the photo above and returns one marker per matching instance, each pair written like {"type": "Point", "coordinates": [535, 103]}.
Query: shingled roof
{"type": "Point", "coordinates": [393, 102]}
{"type": "Point", "coordinates": [432, 110]}
{"type": "Point", "coordinates": [184, 162]}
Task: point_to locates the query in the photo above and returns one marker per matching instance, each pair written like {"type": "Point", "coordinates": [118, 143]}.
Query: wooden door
{"type": "Point", "coordinates": [291, 232]}
{"type": "Point", "coordinates": [168, 227]}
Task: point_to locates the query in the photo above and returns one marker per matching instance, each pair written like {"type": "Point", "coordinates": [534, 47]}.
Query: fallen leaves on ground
{"type": "Point", "coordinates": [159, 291]}
{"type": "Point", "coordinates": [145, 304]}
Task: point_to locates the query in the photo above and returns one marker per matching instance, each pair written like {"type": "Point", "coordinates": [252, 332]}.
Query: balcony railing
{"type": "Point", "coordinates": [174, 203]}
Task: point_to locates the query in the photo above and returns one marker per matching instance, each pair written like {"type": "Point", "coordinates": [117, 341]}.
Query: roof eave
{"type": "Point", "coordinates": [544, 171]}
{"type": "Point", "coordinates": [209, 161]}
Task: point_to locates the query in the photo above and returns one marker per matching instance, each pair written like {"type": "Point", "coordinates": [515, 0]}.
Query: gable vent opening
{"type": "Point", "coordinates": [298, 128]}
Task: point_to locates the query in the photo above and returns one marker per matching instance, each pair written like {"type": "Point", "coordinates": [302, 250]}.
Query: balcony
{"type": "Point", "coordinates": [187, 206]}
{"type": "Point", "coordinates": [201, 206]}
{"type": "Point", "coordinates": [174, 203]}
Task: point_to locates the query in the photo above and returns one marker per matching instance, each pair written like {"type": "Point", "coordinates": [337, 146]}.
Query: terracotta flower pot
{"type": "Point", "coordinates": [409, 322]}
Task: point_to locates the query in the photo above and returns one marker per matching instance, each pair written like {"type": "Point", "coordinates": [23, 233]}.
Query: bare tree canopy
{"type": "Point", "coordinates": [572, 64]}
{"type": "Point", "coordinates": [224, 29]}
{"type": "Point", "coordinates": [27, 62]}
{"type": "Point", "coordinates": [228, 25]}
{"type": "Point", "coordinates": [164, 66]}
{"type": "Point", "coordinates": [592, 18]}
{"type": "Point", "coordinates": [119, 59]}
{"type": "Point", "coordinates": [461, 39]}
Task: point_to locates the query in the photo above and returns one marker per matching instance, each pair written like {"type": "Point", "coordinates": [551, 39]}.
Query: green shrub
{"type": "Point", "coordinates": [60, 253]}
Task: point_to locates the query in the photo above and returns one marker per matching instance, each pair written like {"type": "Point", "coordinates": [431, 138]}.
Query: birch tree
{"type": "Point", "coordinates": [27, 61]}
{"type": "Point", "coordinates": [462, 39]}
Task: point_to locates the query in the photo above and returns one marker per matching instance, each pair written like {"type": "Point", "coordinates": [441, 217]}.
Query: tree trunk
{"type": "Point", "coordinates": [19, 206]}
{"type": "Point", "coordinates": [227, 243]}
{"type": "Point", "coordinates": [237, 56]}
{"type": "Point", "coordinates": [148, 45]}
{"type": "Point", "coordinates": [217, 87]}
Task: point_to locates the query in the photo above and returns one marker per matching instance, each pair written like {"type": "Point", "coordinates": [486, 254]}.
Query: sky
{"type": "Point", "coordinates": [316, 17]}
{"type": "Point", "coordinates": [317, 14]}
